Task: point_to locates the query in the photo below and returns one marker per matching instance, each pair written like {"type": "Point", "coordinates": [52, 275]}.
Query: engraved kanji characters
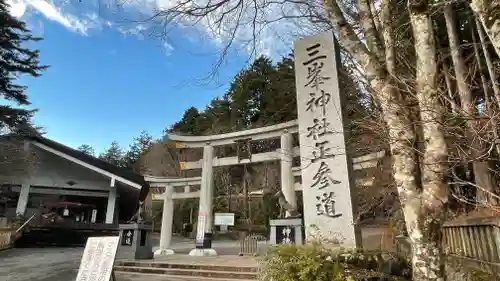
{"type": "Point", "coordinates": [322, 178]}
{"type": "Point", "coordinates": [321, 151]}
{"type": "Point", "coordinates": [314, 67]}
{"type": "Point", "coordinates": [286, 235]}
{"type": "Point", "coordinates": [319, 128]}
{"type": "Point", "coordinates": [318, 100]}
{"type": "Point", "coordinates": [317, 103]}
{"type": "Point", "coordinates": [325, 205]}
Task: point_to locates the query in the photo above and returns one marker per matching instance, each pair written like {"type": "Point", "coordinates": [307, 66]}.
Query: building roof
{"type": "Point", "coordinates": [91, 160]}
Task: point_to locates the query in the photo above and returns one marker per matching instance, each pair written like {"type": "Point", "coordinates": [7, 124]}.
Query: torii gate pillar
{"type": "Point", "coordinates": [287, 179]}
{"type": "Point", "coordinates": [166, 223]}
{"type": "Point", "coordinates": [204, 229]}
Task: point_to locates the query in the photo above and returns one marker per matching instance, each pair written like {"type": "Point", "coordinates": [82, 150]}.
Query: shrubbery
{"type": "Point", "coordinates": [17, 221]}
{"type": "Point", "coordinates": [302, 263]}
{"type": "Point", "coordinates": [314, 262]}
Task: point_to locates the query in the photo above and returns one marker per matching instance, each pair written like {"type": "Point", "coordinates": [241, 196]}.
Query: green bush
{"type": "Point", "coordinates": [310, 262]}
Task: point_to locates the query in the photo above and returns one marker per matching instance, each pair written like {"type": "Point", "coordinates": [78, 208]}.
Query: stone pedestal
{"type": "Point", "coordinates": [135, 241]}
{"type": "Point", "coordinates": [286, 231]}
{"type": "Point", "coordinates": [203, 246]}
{"type": "Point", "coordinates": [202, 252]}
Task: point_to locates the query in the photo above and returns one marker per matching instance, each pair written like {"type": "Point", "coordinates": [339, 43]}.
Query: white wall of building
{"type": "Point", "coordinates": [50, 170]}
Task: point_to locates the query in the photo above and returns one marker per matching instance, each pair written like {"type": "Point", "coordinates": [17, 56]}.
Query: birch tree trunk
{"type": "Point", "coordinates": [488, 12]}
{"type": "Point", "coordinates": [423, 209]}
{"type": "Point", "coordinates": [425, 233]}
{"type": "Point", "coordinates": [480, 167]}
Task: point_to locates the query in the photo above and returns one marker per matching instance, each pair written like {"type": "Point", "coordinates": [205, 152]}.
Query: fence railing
{"type": "Point", "coordinates": [475, 242]}
{"type": "Point", "coordinates": [249, 245]}
{"type": "Point", "coordinates": [468, 243]}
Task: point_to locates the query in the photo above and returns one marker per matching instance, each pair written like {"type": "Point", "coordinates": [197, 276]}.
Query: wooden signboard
{"type": "Point", "coordinates": [98, 259]}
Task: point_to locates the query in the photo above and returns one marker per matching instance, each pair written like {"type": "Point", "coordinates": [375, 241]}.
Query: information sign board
{"type": "Point", "coordinates": [98, 259]}
{"type": "Point", "coordinates": [224, 219]}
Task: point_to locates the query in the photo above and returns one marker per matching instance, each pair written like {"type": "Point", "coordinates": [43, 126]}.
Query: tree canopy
{"type": "Point", "coordinates": [113, 155]}
{"type": "Point", "coordinates": [16, 60]}
{"type": "Point", "coordinates": [87, 149]}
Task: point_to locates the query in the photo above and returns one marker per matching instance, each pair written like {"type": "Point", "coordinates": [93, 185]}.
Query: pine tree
{"type": "Point", "coordinates": [139, 147]}
{"type": "Point", "coordinates": [113, 155]}
{"type": "Point", "coordinates": [87, 149]}
{"type": "Point", "coordinates": [188, 123]}
{"type": "Point", "coordinates": [15, 60]}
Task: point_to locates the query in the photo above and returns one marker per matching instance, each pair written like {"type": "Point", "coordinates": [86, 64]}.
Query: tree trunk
{"type": "Point", "coordinates": [489, 63]}
{"type": "Point", "coordinates": [479, 166]}
{"type": "Point", "coordinates": [484, 82]}
{"type": "Point", "coordinates": [487, 100]}
{"type": "Point", "coordinates": [449, 88]}
{"type": "Point", "coordinates": [487, 12]}
{"type": "Point", "coordinates": [425, 232]}
{"type": "Point", "coordinates": [461, 70]}
{"type": "Point", "coordinates": [423, 209]}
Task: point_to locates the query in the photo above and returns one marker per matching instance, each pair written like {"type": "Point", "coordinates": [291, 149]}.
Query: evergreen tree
{"type": "Point", "coordinates": [217, 116]}
{"type": "Point", "coordinates": [87, 149]}
{"type": "Point", "coordinates": [139, 147]}
{"type": "Point", "coordinates": [188, 123]}
{"type": "Point", "coordinates": [113, 155]}
{"type": "Point", "coordinates": [264, 94]}
{"type": "Point", "coordinates": [15, 60]}
{"type": "Point", "coordinates": [247, 92]}
{"type": "Point", "coordinates": [279, 104]}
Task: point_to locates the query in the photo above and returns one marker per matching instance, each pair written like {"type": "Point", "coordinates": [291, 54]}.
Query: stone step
{"type": "Point", "coordinates": [174, 265]}
{"type": "Point", "coordinates": [164, 277]}
{"type": "Point", "coordinates": [218, 274]}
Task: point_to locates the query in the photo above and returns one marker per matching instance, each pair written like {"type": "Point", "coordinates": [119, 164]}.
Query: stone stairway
{"type": "Point", "coordinates": [182, 271]}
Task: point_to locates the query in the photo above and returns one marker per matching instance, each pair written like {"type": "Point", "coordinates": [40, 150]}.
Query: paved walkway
{"type": "Point", "coordinates": [61, 264]}
{"type": "Point", "coordinates": [227, 260]}
{"type": "Point", "coordinates": [47, 264]}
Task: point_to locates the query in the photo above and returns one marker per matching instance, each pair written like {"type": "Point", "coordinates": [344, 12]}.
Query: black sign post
{"type": "Point", "coordinates": [285, 234]}
{"type": "Point", "coordinates": [127, 237]}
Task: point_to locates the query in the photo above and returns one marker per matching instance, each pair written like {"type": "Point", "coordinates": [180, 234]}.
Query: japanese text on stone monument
{"type": "Point", "coordinates": [325, 174]}
{"type": "Point", "coordinates": [317, 104]}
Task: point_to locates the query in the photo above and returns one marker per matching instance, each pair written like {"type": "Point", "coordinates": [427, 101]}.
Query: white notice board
{"type": "Point", "coordinates": [224, 219]}
{"type": "Point", "coordinates": [98, 259]}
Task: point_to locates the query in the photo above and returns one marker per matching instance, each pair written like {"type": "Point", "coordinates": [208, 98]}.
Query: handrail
{"type": "Point", "coordinates": [25, 223]}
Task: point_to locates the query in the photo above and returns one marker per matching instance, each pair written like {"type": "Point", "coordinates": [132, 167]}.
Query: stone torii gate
{"type": "Point", "coordinates": [326, 169]}
{"type": "Point", "coordinates": [165, 188]}
{"type": "Point", "coordinates": [286, 153]}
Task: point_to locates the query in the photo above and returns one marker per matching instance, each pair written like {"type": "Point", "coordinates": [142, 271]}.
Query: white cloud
{"type": "Point", "coordinates": [268, 26]}
{"type": "Point", "coordinates": [75, 23]}
{"type": "Point", "coordinates": [17, 8]}
{"type": "Point", "coordinates": [55, 14]}
{"type": "Point", "coordinates": [168, 48]}
{"type": "Point", "coordinates": [273, 25]}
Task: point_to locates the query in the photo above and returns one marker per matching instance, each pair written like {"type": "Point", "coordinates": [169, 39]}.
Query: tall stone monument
{"type": "Point", "coordinates": [326, 168]}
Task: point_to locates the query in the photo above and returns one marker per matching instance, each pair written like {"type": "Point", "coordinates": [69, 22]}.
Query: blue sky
{"type": "Point", "coordinates": [109, 81]}
{"type": "Point", "coordinates": [106, 85]}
